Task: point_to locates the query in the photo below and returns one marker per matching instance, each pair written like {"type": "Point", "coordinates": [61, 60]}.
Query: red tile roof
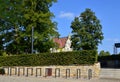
{"type": "Point", "coordinates": [60, 41]}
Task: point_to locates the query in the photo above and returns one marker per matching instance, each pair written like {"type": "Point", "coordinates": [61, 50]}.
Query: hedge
{"type": "Point", "coordinates": [45, 59]}
{"type": "Point", "coordinates": [2, 71]}
{"type": "Point", "coordinates": [111, 57]}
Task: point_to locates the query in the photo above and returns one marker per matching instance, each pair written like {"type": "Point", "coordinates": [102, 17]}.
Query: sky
{"type": "Point", "coordinates": [107, 11]}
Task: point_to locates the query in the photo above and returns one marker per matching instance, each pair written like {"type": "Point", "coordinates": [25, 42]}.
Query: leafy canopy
{"type": "Point", "coordinates": [103, 53]}
{"type": "Point", "coordinates": [87, 31]}
{"type": "Point", "coordinates": [17, 18]}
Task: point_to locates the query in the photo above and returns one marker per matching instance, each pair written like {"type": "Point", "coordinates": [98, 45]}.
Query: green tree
{"type": "Point", "coordinates": [38, 15]}
{"type": "Point", "coordinates": [19, 17]}
{"type": "Point", "coordinates": [87, 31]}
{"type": "Point", "coordinates": [103, 53]}
{"type": "Point", "coordinates": [10, 17]}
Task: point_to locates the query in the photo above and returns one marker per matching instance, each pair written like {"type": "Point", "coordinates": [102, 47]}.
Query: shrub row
{"type": "Point", "coordinates": [111, 57]}
{"type": "Point", "coordinates": [43, 59]}
{"type": "Point", "coordinates": [2, 71]}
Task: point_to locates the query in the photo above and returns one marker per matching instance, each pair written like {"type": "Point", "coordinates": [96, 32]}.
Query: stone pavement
{"type": "Point", "coordinates": [50, 79]}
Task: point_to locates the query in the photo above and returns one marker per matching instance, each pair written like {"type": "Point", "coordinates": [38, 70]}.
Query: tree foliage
{"type": "Point", "coordinates": [10, 21]}
{"type": "Point", "coordinates": [18, 17]}
{"type": "Point", "coordinates": [103, 53]}
{"type": "Point", "coordinates": [87, 31]}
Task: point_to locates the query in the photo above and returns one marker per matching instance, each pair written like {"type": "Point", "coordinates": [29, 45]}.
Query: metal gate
{"type": "Point", "coordinates": [48, 72]}
{"type": "Point", "coordinates": [89, 73]}
{"type": "Point", "coordinates": [78, 73]}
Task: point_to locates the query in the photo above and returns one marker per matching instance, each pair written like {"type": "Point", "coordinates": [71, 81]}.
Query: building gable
{"type": "Point", "coordinates": [64, 44]}
{"type": "Point", "coordinates": [60, 41]}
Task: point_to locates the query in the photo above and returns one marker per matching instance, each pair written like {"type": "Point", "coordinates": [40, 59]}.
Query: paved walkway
{"type": "Point", "coordinates": [49, 79]}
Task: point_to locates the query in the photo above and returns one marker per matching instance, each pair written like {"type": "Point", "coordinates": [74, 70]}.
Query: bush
{"type": "Point", "coordinates": [43, 59]}
{"type": "Point", "coordinates": [2, 71]}
{"type": "Point", "coordinates": [111, 57]}
{"type": "Point", "coordinates": [3, 53]}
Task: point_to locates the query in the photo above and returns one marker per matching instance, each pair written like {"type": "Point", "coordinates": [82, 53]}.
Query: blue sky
{"type": "Point", "coordinates": [107, 11]}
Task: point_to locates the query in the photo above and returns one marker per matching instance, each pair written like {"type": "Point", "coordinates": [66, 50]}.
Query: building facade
{"type": "Point", "coordinates": [62, 44]}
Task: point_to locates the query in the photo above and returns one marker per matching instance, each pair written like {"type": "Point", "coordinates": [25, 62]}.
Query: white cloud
{"type": "Point", "coordinates": [113, 40]}
{"type": "Point", "coordinates": [67, 15]}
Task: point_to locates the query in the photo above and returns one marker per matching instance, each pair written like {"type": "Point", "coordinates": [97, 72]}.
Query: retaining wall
{"type": "Point", "coordinates": [81, 71]}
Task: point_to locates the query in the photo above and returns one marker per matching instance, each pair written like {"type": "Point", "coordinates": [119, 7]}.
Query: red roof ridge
{"type": "Point", "coordinates": [61, 41]}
